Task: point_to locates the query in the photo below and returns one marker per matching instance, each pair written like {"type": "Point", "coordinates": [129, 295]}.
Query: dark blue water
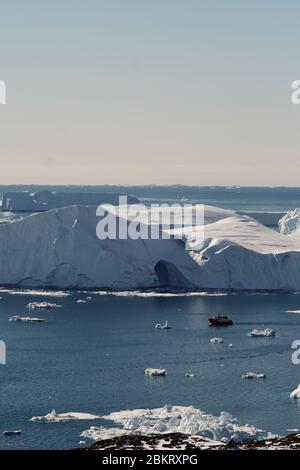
{"type": "Point", "coordinates": [261, 199]}
{"type": "Point", "coordinates": [91, 358]}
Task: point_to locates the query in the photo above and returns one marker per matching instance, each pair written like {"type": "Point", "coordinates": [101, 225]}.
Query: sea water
{"type": "Point", "coordinates": [90, 357]}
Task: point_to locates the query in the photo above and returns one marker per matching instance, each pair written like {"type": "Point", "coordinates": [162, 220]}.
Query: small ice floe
{"type": "Point", "coordinates": [81, 443]}
{"type": "Point", "coordinates": [155, 372]}
{"type": "Point", "coordinates": [288, 311]}
{"type": "Point", "coordinates": [264, 332]}
{"type": "Point", "coordinates": [54, 417]}
{"type": "Point", "coordinates": [26, 319]}
{"type": "Point", "coordinates": [293, 430]}
{"type": "Point", "coordinates": [296, 393]}
{"type": "Point", "coordinates": [253, 375]}
{"type": "Point", "coordinates": [42, 305]}
{"type": "Point", "coordinates": [216, 340]}
{"type": "Point", "coordinates": [81, 301]}
{"type": "Point", "coordinates": [89, 298]}
{"type": "Point", "coordinates": [188, 375]}
{"type": "Point", "coordinates": [12, 432]}
{"type": "Point", "coordinates": [165, 326]}
{"type": "Point", "coordinates": [230, 345]}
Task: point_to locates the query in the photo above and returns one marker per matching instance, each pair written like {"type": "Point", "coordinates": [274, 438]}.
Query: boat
{"type": "Point", "coordinates": [219, 320]}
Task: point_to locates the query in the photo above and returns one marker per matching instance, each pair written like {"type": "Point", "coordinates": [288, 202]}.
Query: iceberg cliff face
{"type": "Point", "coordinates": [290, 223]}
{"type": "Point", "coordinates": [59, 248]}
{"type": "Point", "coordinates": [45, 200]}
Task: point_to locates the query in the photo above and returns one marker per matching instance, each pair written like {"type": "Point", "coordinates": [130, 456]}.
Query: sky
{"type": "Point", "coordinates": [150, 92]}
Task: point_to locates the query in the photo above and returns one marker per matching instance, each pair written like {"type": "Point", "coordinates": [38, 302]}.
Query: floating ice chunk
{"type": "Point", "coordinates": [253, 375]}
{"type": "Point", "coordinates": [39, 293]}
{"type": "Point", "coordinates": [175, 419]}
{"type": "Point", "coordinates": [216, 340]}
{"type": "Point", "coordinates": [88, 298]}
{"type": "Point", "coordinates": [81, 301]}
{"type": "Point", "coordinates": [42, 305]}
{"type": "Point", "coordinates": [296, 393]}
{"type": "Point", "coordinates": [165, 326]}
{"type": "Point", "coordinates": [81, 443]}
{"type": "Point", "coordinates": [188, 375]}
{"type": "Point", "coordinates": [293, 311]}
{"type": "Point", "coordinates": [54, 417]}
{"type": "Point", "coordinates": [12, 432]}
{"type": "Point", "coordinates": [155, 372]}
{"type": "Point", "coordinates": [265, 332]}
{"type": "Point", "coordinates": [230, 345]}
{"type": "Point", "coordinates": [26, 319]}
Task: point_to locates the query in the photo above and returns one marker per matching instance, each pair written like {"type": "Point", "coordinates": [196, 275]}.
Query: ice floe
{"type": "Point", "coordinates": [175, 419]}
{"type": "Point", "coordinates": [155, 372]}
{"type": "Point", "coordinates": [17, 318]}
{"type": "Point", "coordinates": [216, 340]}
{"type": "Point", "coordinates": [54, 417]}
{"type": "Point", "coordinates": [296, 393]}
{"type": "Point", "coordinates": [189, 375]}
{"type": "Point", "coordinates": [253, 375]}
{"type": "Point", "coordinates": [164, 326]}
{"type": "Point", "coordinates": [36, 293]}
{"type": "Point", "coordinates": [12, 432]}
{"type": "Point", "coordinates": [264, 332]}
{"type": "Point", "coordinates": [147, 294]}
{"type": "Point", "coordinates": [42, 305]}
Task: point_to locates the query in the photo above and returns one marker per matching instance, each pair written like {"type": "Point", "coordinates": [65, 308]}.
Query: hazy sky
{"type": "Point", "coordinates": [150, 91]}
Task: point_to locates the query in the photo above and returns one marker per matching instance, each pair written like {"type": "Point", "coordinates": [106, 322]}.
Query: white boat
{"type": "Point", "coordinates": [265, 332]}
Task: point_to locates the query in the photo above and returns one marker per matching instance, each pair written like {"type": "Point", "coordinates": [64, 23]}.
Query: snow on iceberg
{"type": "Point", "coordinates": [46, 200]}
{"type": "Point", "coordinates": [290, 222]}
{"type": "Point", "coordinates": [59, 249]}
{"type": "Point", "coordinates": [54, 417]}
{"type": "Point", "coordinates": [173, 419]}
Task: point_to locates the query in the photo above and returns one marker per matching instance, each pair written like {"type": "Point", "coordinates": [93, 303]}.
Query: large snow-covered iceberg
{"type": "Point", "coordinates": [290, 222]}
{"type": "Point", "coordinates": [59, 248]}
{"type": "Point", "coordinates": [45, 200]}
{"type": "Point", "coordinates": [173, 419]}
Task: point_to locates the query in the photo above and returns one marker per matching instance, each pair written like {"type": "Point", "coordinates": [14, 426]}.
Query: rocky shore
{"type": "Point", "coordinates": [178, 441]}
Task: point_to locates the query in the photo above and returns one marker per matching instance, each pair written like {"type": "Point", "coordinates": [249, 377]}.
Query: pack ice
{"type": "Point", "coordinates": [59, 249]}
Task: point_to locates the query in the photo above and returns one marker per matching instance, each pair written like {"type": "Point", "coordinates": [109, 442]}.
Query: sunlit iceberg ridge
{"type": "Point", "coordinates": [60, 249]}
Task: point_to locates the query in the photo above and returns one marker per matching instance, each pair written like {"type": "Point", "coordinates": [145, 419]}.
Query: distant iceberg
{"type": "Point", "coordinates": [54, 417]}
{"type": "Point", "coordinates": [45, 200]}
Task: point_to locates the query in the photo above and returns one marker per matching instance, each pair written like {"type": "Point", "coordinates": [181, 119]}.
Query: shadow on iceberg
{"type": "Point", "coordinates": [169, 276]}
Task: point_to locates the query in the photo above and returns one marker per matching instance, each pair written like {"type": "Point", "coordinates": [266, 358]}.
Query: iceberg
{"type": "Point", "coordinates": [54, 417]}
{"type": "Point", "coordinates": [45, 200]}
{"type": "Point", "coordinates": [17, 318]}
{"type": "Point", "coordinates": [266, 332]}
{"type": "Point", "coordinates": [164, 326]}
{"type": "Point", "coordinates": [175, 419]}
{"type": "Point", "coordinates": [155, 372]}
{"type": "Point", "coordinates": [290, 222]}
{"type": "Point", "coordinates": [42, 305]}
{"type": "Point", "coordinates": [296, 393]}
{"type": "Point", "coordinates": [253, 375]}
{"type": "Point", "coordinates": [59, 249]}
{"type": "Point", "coordinates": [216, 340]}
